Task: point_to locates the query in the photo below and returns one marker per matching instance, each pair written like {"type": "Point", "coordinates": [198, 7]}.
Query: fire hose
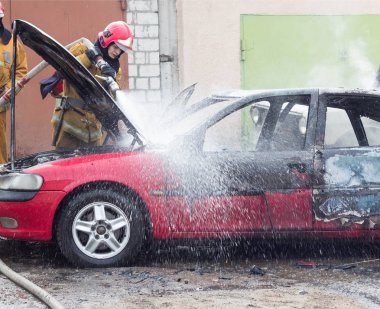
{"type": "Point", "coordinates": [30, 287]}
{"type": "Point", "coordinates": [37, 69]}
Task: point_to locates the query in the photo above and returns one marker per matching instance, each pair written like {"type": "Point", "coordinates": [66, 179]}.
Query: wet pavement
{"type": "Point", "coordinates": [259, 275]}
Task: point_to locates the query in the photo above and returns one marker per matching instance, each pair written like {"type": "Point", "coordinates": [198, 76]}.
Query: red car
{"type": "Point", "coordinates": [278, 163]}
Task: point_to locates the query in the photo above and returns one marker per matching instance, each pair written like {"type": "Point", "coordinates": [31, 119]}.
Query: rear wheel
{"type": "Point", "coordinates": [100, 228]}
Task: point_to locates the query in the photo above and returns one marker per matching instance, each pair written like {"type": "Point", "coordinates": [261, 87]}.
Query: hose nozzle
{"type": "Point", "coordinates": [110, 83]}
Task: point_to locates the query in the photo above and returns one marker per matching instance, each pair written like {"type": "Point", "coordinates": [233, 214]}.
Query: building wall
{"type": "Point", "coordinates": [209, 34]}
{"type": "Point", "coordinates": [144, 62]}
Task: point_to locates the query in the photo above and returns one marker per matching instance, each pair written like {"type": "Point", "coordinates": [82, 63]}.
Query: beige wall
{"type": "Point", "coordinates": [209, 34]}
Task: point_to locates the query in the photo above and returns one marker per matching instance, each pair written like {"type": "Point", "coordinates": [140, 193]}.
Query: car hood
{"type": "Point", "coordinates": [100, 102]}
{"type": "Point", "coordinates": [60, 154]}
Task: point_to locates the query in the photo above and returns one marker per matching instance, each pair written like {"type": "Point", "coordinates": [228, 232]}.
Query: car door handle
{"type": "Point", "coordinates": [300, 167]}
{"type": "Point", "coordinates": [318, 154]}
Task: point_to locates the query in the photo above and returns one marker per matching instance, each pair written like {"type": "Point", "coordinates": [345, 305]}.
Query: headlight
{"type": "Point", "coordinates": [21, 182]}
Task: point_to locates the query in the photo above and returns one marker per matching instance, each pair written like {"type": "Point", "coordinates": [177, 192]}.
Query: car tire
{"type": "Point", "coordinates": [100, 228]}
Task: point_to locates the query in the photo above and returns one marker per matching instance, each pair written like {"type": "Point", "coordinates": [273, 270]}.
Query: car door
{"type": "Point", "coordinates": [285, 157]}
{"type": "Point", "coordinates": [236, 183]}
{"type": "Point", "coordinates": [347, 163]}
{"type": "Point", "coordinates": [207, 195]}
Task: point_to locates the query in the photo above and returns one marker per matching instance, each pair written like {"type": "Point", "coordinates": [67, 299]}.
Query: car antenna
{"type": "Point", "coordinates": [13, 95]}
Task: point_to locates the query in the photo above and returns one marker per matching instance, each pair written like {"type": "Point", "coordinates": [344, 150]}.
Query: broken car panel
{"type": "Point", "coordinates": [349, 162]}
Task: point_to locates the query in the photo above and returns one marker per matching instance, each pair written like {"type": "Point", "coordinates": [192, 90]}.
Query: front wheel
{"type": "Point", "coordinates": [100, 228]}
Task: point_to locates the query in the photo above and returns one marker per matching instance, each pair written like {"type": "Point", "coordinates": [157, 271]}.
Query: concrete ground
{"type": "Point", "coordinates": [193, 276]}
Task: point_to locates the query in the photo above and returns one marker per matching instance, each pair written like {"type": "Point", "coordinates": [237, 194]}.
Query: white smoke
{"type": "Point", "coordinates": [352, 69]}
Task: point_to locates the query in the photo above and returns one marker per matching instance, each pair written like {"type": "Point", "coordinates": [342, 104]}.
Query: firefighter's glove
{"type": "Point", "coordinates": [93, 54]}
{"type": "Point", "coordinates": [111, 85]}
{"type": "Point", "coordinates": [106, 69]}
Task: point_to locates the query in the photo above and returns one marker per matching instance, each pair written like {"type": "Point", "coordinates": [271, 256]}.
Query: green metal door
{"type": "Point", "coordinates": [309, 51]}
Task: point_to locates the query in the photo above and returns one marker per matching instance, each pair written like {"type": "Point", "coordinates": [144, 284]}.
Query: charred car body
{"type": "Point", "coordinates": [240, 164]}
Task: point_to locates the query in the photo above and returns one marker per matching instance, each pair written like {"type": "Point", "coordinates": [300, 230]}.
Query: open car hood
{"type": "Point", "coordinates": [98, 99]}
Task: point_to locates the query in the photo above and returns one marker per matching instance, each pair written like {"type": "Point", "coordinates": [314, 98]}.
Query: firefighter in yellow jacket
{"type": "Point", "coordinates": [79, 127]}
{"type": "Point", "coordinates": [6, 57]}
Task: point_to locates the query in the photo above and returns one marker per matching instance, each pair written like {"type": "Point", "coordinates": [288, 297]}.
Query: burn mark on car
{"type": "Point", "coordinates": [353, 170]}
{"type": "Point", "coordinates": [352, 188]}
{"type": "Point", "coordinates": [351, 206]}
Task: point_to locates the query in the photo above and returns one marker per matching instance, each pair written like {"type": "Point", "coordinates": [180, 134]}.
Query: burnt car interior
{"type": "Point", "coordinates": [352, 121]}
{"type": "Point", "coordinates": [274, 123]}
{"type": "Point", "coordinates": [283, 124]}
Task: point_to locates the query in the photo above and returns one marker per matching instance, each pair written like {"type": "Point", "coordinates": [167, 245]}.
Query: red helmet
{"type": "Point", "coordinates": [2, 10]}
{"type": "Point", "coordinates": [117, 32]}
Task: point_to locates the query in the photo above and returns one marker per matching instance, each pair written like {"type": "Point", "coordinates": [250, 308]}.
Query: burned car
{"type": "Point", "coordinates": [284, 163]}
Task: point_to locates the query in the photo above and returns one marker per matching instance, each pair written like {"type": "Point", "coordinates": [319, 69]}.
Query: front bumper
{"type": "Point", "coordinates": [16, 196]}
{"type": "Point", "coordinates": [34, 217]}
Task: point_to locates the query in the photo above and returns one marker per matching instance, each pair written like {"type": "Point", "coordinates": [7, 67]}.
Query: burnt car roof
{"type": "Point", "coordinates": [240, 93]}
{"type": "Point", "coordinates": [91, 91]}
{"type": "Point", "coordinates": [234, 98]}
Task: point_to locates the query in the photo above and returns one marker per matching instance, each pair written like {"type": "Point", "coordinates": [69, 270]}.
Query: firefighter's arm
{"type": "Point", "coordinates": [111, 84]}
{"type": "Point", "coordinates": [22, 66]}
{"type": "Point", "coordinates": [84, 60]}
{"type": "Point", "coordinates": [80, 51]}
{"type": "Point", "coordinates": [95, 56]}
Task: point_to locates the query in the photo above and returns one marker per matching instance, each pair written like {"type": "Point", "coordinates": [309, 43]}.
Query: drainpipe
{"type": "Point", "coordinates": [168, 49]}
{"type": "Point", "coordinates": [123, 5]}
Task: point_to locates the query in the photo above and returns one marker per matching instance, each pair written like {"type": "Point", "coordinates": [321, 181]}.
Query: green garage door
{"type": "Point", "coordinates": [309, 51]}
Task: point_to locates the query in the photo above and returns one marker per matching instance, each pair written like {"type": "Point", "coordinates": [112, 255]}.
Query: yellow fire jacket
{"type": "Point", "coordinates": [6, 58]}
{"type": "Point", "coordinates": [79, 123]}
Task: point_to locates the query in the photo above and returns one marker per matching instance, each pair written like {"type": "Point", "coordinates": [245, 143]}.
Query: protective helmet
{"type": "Point", "coordinates": [117, 32]}
{"type": "Point", "coordinates": [2, 10]}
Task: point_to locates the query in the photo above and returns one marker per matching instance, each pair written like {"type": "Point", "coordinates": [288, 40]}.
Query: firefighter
{"type": "Point", "coordinates": [75, 126]}
{"type": "Point", "coordinates": [6, 57]}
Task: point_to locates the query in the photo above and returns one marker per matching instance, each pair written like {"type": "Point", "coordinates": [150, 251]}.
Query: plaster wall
{"type": "Point", "coordinates": [209, 34]}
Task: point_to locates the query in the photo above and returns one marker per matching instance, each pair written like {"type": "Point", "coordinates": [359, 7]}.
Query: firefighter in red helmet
{"type": "Point", "coordinates": [6, 57]}
{"type": "Point", "coordinates": [77, 126]}
{"type": "Point", "coordinates": [119, 33]}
